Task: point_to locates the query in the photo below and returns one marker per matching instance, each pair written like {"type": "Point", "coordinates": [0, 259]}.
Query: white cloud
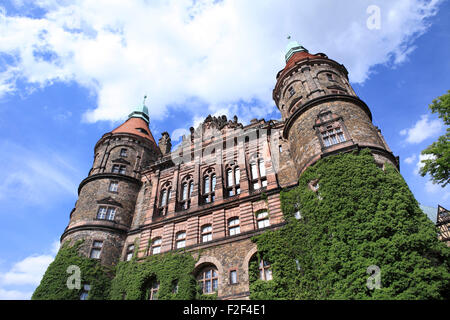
{"type": "Point", "coordinates": [213, 52]}
{"type": "Point", "coordinates": [35, 177]}
{"type": "Point", "coordinates": [410, 159]}
{"type": "Point", "coordinates": [19, 282]}
{"type": "Point", "coordinates": [15, 294]}
{"type": "Point", "coordinates": [422, 129]}
{"type": "Point", "coordinates": [28, 271]}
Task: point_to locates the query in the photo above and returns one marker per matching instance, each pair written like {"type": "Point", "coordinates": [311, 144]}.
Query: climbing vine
{"type": "Point", "coordinates": [172, 270]}
{"type": "Point", "coordinates": [359, 216]}
{"type": "Point", "coordinates": [54, 286]}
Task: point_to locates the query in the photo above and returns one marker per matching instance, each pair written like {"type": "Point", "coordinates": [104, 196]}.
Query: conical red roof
{"type": "Point", "coordinates": [137, 126]}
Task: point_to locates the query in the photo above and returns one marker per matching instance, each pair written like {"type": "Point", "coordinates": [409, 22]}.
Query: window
{"type": "Point", "coordinates": [233, 227]}
{"type": "Point", "coordinates": [187, 188]}
{"type": "Point", "coordinates": [291, 91]}
{"type": "Point", "coordinates": [233, 180]}
{"type": "Point", "coordinates": [113, 186]}
{"type": "Point", "coordinates": [123, 152]}
{"type": "Point", "coordinates": [206, 233]}
{"type": "Point", "coordinates": [233, 277]}
{"type": "Point", "coordinates": [333, 136]}
{"type": "Point", "coordinates": [85, 292]}
{"type": "Point", "coordinates": [130, 251]}
{"type": "Point", "coordinates": [258, 172]}
{"type": "Point", "coordinates": [264, 270]}
{"type": "Point", "coordinates": [330, 77]}
{"type": "Point", "coordinates": [175, 287]}
{"type": "Point", "coordinates": [209, 186]}
{"type": "Point", "coordinates": [262, 219]}
{"type": "Point", "coordinates": [156, 245]}
{"type": "Point", "coordinates": [101, 214]}
{"type": "Point", "coordinates": [119, 169]}
{"type": "Point", "coordinates": [96, 249]}
{"type": "Point", "coordinates": [107, 213]}
{"type": "Point", "coordinates": [153, 290]}
{"type": "Point", "coordinates": [164, 198]}
{"type": "Point", "coordinates": [180, 239]}
{"type": "Point", "coordinates": [208, 280]}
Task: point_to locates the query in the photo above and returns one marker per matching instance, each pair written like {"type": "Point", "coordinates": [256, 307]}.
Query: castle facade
{"type": "Point", "coordinates": [222, 185]}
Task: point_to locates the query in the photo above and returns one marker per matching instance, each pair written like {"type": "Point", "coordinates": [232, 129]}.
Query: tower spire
{"type": "Point", "coordinates": [293, 47]}
{"type": "Point", "coordinates": [141, 112]}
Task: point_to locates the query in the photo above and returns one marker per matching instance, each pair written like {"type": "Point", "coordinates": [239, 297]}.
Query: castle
{"type": "Point", "coordinates": [222, 185]}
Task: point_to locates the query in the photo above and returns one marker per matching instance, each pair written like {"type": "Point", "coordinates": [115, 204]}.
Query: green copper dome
{"type": "Point", "coordinates": [292, 48]}
{"type": "Point", "coordinates": [140, 112]}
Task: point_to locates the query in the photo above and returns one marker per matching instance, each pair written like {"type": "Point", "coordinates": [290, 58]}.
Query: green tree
{"type": "Point", "coordinates": [438, 164]}
{"type": "Point", "coordinates": [360, 216]}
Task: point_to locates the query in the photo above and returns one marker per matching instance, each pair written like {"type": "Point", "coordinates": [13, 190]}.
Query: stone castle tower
{"type": "Point", "coordinates": [216, 191]}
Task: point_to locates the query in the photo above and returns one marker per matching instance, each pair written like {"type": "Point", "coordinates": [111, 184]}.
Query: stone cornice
{"type": "Point", "coordinates": [109, 227]}
{"type": "Point", "coordinates": [110, 175]}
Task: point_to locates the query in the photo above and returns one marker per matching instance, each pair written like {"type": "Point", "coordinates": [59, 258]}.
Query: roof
{"type": "Point", "coordinates": [137, 126]}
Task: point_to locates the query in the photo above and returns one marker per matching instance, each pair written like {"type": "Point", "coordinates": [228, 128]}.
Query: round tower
{"type": "Point", "coordinates": [104, 210]}
{"type": "Point", "coordinates": [322, 113]}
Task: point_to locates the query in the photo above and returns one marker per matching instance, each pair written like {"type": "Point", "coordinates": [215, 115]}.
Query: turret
{"type": "Point", "coordinates": [106, 198]}
{"type": "Point", "coordinates": [322, 113]}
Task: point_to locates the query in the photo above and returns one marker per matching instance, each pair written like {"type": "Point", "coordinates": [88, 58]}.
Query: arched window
{"type": "Point", "coordinates": [180, 240]}
{"type": "Point", "coordinates": [208, 279]}
{"type": "Point", "coordinates": [233, 226]}
{"type": "Point", "coordinates": [153, 290]}
{"type": "Point", "coordinates": [262, 219]}
{"type": "Point", "coordinates": [258, 173]}
{"type": "Point", "coordinates": [187, 188]}
{"type": "Point", "coordinates": [209, 186]}
{"type": "Point", "coordinates": [165, 195]}
{"type": "Point", "coordinates": [206, 233]}
{"type": "Point", "coordinates": [156, 245]}
{"type": "Point", "coordinates": [233, 180]}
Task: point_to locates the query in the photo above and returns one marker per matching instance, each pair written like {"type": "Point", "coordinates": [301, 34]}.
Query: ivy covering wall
{"type": "Point", "coordinates": [129, 280]}
{"type": "Point", "coordinates": [54, 286]}
{"type": "Point", "coordinates": [171, 270]}
{"type": "Point", "coordinates": [359, 216]}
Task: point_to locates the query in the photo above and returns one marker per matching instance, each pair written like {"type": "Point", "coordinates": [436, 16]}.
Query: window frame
{"type": "Point", "coordinates": [207, 233]}
{"type": "Point", "coordinates": [233, 227]}
{"type": "Point", "coordinates": [96, 248]}
{"type": "Point", "coordinates": [213, 279]}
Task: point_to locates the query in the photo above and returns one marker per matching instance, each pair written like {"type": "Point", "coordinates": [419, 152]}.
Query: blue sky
{"type": "Point", "coordinates": [71, 71]}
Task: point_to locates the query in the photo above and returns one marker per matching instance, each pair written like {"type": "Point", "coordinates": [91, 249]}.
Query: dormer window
{"type": "Point", "coordinates": [142, 130]}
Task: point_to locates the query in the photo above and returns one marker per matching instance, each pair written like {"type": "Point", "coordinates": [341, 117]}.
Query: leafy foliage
{"type": "Point", "coordinates": [170, 269]}
{"type": "Point", "coordinates": [360, 216]}
{"type": "Point", "coordinates": [438, 165]}
{"type": "Point", "coordinates": [53, 285]}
